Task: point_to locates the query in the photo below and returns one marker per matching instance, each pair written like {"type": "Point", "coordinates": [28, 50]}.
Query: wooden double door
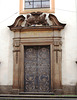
{"type": "Point", "coordinates": [37, 69]}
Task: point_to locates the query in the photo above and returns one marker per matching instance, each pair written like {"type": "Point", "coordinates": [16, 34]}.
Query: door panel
{"type": "Point", "coordinates": [37, 69]}
{"type": "Point", "coordinates": [30, 68]}
{"type": "Point", "coordinates": [43, 68]}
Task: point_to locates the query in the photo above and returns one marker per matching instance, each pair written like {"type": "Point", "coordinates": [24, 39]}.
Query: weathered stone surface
{"type": "Point", "coordinates": [5, 89]}
{"type": "Point", "coordinates": [68, 89]}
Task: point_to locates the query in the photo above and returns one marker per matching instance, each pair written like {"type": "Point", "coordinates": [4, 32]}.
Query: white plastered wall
{"type": "Point", "coordinates": [8, 12]}
{"type": "Point", "coordinates": [65, 11]}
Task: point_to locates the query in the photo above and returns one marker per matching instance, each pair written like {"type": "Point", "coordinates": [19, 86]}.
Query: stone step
{"type": "Point", "coordinates": [36, 93]}
{"type": "Point", "coordinates": [14, 98]}
{"type": "Point", "coordinates": [8, 98]}
{"type": "Point", "coordinates": [37, 96]}
{"type": "Point", "coordinates": [27, 96]}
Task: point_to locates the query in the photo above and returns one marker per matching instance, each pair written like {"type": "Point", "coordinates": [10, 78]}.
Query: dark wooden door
{"type": "Point", "coordinates": [37, 69]}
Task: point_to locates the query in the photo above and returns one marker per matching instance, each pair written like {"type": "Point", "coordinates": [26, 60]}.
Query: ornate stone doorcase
{"type": "Point", "coordinates": [37, 32]}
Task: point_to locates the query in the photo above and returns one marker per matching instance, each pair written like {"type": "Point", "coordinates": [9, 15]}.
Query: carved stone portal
{"type": "Point", "coordinates": [35, 36]}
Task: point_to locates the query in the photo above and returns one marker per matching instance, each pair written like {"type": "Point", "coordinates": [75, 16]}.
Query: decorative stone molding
{"type": "Point", "coordinates": [57, 43]}
{"type": "Point", "coordinates": [18, 21]}
{"type": "Point", "coordinates": [16, 43]}
{"type": "Point", "coordinates": [33, 21]}
{"type": "Point", "coordinates": [55, 21]}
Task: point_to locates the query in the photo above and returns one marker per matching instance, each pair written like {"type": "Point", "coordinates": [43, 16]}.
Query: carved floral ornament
{"type": "Point", "coordinates": [36, 20]}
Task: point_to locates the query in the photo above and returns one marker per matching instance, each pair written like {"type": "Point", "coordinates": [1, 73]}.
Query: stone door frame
{"type": "Point", "coordinates": [18, 55]}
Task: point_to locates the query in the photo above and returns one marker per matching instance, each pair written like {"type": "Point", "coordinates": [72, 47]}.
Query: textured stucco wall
{"type": "Point", "coordinates": [8, 8]}
{"type": "Point", "coordinates": [65, 10]}
{"type": "Point", "coordinates": [66, 13]}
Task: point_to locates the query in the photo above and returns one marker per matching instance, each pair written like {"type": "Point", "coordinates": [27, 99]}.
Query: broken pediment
{"type": "Point", "coordinates": [36, 21]}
